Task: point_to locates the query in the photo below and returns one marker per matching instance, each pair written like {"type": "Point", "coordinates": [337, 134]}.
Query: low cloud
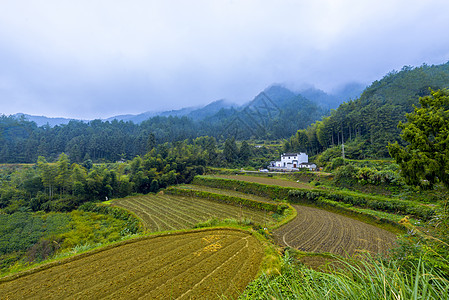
{"type": "Point", "coordinates": [92, 59]}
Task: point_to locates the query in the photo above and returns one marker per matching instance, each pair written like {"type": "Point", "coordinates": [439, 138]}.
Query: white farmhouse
{"type": "Point", "coordinates": [292, 162]}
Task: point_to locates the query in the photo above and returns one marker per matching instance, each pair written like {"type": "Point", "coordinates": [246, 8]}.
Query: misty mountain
{"type": "Point", "coordinates": [277, 94]}
{"type": "Point", "coordinates": [210, 109]}
{"type": "Point", "coordinates": [275, 113]}
{"type": "Point", "coordinates": [42, 120]}
{"type": "Point", "coordinates": [331, 101]}
{"type": "Point", "coordinates": [365, 124]}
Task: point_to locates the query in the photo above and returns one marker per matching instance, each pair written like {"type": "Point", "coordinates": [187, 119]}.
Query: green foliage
{"type": "Point", "coordinates": [19, 231]}
{"type": "Point", "coordinates": [369, 278]}
{"type": "Point", "coordinates": [425, 160]}
{"type": "Point", "coordinates": [30, 236]}
{"type": "Point", "coordinates": [365, 201]}
{"type": "Point", "coordinates": [33, 237]}
{"type": "Point", "coordinates": [131, 225]}
{"type": "Point", "coordinates": [345, 175]}
{"type": "Point", "coordinates": [88, 228]}
{"type": "Point", "coordinates": [271, 191]}
{"type": "Point", "coordinates": [366, 125]}
{"type": "Point", "coordinates": [297, 195]}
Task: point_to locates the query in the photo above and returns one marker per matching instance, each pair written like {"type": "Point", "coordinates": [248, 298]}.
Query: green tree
{"type": "Point", "coordinates": [230, 150]}
{"type": "Point", "coordinates": [63, 173]}
{"type": "Point", "coordinates": [425, 160]}
{"type": "Point", "coordinates": [245, 152]}
{"type": "Point", "coordinates": [47, 173]}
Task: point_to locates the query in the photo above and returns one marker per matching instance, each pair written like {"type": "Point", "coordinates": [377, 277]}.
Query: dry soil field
{"type": "Point", "coordinates": [316, 230]}
{"type": "Point", "coordinates": [266, 180]}
{"type": "Point", "coordinates": [194, 265]}
{"type": "Point", "coordinates": [168, 212]}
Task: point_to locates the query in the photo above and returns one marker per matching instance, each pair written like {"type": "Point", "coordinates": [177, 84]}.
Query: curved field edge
{"type": "Point", "coordinates": [312, 197]}
{"type": "Point", "coordinates": [248, 184]}
{"type": "Point", "coordinates": [78, 256]}
{"type": "Point", "coordinates": [274, 207]}
{"type": "Point", "coordinates": [161, 212]}
{"type": "Point", "coordinates": [317, 230]}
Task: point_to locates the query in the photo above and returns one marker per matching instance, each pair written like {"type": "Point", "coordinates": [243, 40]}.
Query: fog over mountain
{"type": "Point", "coordinates": [94, 60]}
{"type": "Point", "coordinates": [278, 92]}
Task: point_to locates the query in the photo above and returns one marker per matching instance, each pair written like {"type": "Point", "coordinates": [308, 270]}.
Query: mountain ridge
{"type": "Point", "coordinates": [278, 92]}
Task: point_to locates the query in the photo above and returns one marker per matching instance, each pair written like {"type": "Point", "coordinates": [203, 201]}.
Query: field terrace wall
{"type": "Point", "coordinates": [277, 208]}
{"type": "Point", "coordinates": [273, 192]}
{"type": "Point", "coordinates": [297, 195]}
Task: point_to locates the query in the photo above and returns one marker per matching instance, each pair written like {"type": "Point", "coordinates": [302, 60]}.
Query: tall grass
{"type": "Point", "coordinates": [351, 279]}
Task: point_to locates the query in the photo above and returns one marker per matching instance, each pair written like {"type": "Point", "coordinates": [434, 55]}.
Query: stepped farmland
{"type": "Point", "coordinates": [200, 264]}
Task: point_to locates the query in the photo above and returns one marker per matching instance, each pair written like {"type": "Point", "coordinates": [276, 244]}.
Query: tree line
{"type": "Point", "coordinates": [64, 185]}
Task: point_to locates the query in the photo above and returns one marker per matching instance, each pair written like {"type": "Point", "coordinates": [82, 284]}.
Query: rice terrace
{"type": "Point", "coordinates": [317, 230]}
{"type": "Point", "coordinates": [197, 264]}
{"type": "Point", "coordinates": [200, 264]}
{"type": "Point", "coordinates": [169, 212]}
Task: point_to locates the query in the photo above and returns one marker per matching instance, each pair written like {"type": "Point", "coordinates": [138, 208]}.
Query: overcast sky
{"type": "Point", "coordinates": [95, 59]}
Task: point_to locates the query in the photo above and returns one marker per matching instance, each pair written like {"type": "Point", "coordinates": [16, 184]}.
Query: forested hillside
{"type": "Point", "coordinates": [366, 125]}
{"type": "Point", "coordinates": [274, 114]}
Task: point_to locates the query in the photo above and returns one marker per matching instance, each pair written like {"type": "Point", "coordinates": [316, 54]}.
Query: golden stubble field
{"type": "Point", "coordinates": [193, 265]}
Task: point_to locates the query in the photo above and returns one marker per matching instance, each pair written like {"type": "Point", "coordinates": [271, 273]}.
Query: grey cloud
{"type": "Point", "coordinates": [91, 59]}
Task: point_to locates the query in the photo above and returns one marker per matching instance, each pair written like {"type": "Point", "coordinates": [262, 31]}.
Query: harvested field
{"type": "Point", "coordinates": [227, 193]}
{"type": "Point", "coordinates": [168, 212]}
{"type": "Point", "coordinates": [198, 265]}
{"type": "Point", "coordinates": [316, 230]}
{"type": "Point", "coordinates": [266, 180]}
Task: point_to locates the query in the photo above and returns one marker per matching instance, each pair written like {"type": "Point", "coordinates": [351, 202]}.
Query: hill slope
{"type": "Point", "coordinates": [370, 121]}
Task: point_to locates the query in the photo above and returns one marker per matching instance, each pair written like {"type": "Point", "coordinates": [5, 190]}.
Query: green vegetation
{"type": "Point", "coordinates": [368, 278]}
{"type": "Point", "coordinates": [425, 160]}
{"type": "Point", "coordinates": [366, 125]}
{"type": "Point", "coordinates": [27, 238]}
{"type": "Point", "coordinates": [298, 195]}
{"type": "Point", "coordinates": [51, 208]}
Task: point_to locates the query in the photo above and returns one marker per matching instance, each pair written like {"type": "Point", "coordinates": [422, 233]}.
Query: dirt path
{"type": "Point", "coordinates": [316, 230]}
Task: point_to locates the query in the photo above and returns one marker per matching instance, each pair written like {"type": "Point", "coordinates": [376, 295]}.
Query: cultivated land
{"type": "Point", "coordinates": [266, 180]}
{"type": "Point", "coordinates": [226, 192]}
{"type": "Point", "coordinates": [169, 212]}
{"type": "Point", "coordinates": [200, 265]}
{"type": "Point", "coordinates": [317, 230]}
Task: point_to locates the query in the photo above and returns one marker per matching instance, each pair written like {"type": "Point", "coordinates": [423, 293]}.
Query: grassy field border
{"type": "Point", "coordinates": [297, 195]}
{"type": "Point", "coordinates": [49, 264]}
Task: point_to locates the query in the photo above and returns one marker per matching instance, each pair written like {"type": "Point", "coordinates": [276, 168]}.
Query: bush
{"type": "Point", "coordinates": [346, 174]}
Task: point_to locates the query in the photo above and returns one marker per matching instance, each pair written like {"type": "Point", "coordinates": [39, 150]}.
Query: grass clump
{"type": "Point", "coordinates": [369, 278]}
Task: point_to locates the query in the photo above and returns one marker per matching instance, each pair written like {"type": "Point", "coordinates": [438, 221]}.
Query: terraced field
{"type": "Point", "coordinates": [226, 192]}
{"type": "Point", "coordinates": [198, 265]}
{"type": "Point", "coordinates": [316, 230]}
{"type": "Point", "coordinates": [266, 180]}
{"type": "Point", "coordinates": [168, 212]}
